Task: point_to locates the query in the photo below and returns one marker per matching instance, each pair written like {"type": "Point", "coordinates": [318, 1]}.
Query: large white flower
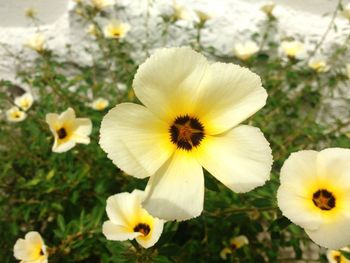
{"type": "Point", "coordinates": [68, 130]}
{"type": "Point", "coordinates": [190, 120]}
{"type": "Point", "coordinates": [128, 220]}
{"type": "Point", "coordinates": [25, 101]}
{"type": "Point", "coordinates": [14, 114]}
{"type": "Point", "coordinates": [31, 249]}
{"type": "Point", "coordinates": [315, 194]}
{"type": "Point", "coordinates": [245, 50]}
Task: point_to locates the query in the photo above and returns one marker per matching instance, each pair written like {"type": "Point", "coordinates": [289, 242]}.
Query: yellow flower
{"type": "Point", "coordinates": [235, 243]}
{"type": "Point", "coordinates": [180, 12]}
{"type": "Point", "coordinates": [319, 65]}
{"type": "Point", "coordinates": [99, 104]}
{"type": "Point", "coordinates": [335, 256]}
{"type": "Point", "coordinates": [224, 252]}
{"type": "Point", "coordinates": [190, 120]}
{"type": "Point", "coordinates": [203, 16]}
{"type": "Point", "coordinates": [128, 220]}
{"type": "Point", "coordinates": [68, 130]}
{"type": "Point", "coordinates": [245, 50]}
{"type": "Point", "coordinates": [25, 101]}
{"type": "Point", "coordinates": [348, 70]}
{"type": "Point", "coordinates": [101, 4]}
{"type": "Point", "coordinates": [31, 249]}
{"type": "Point", "coordinates": [346, 11]}
{"type": "Point", "coordinates": [116, 29]}
{"type": "Point", "coordinates": [268, 8]}
{"type": "Point", "coordinates": [315, 194]}
{"type": "Point", "coordinates": [36, 42]}
{"type": "Point", "coordinates": [92, 30]}
{"type": "Point", "coordinates": [292, 48]}
{"type": "Point", "coordinates": [15, 115]}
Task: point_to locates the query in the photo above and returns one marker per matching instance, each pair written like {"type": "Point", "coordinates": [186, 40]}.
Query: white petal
{"type": "Point", "coordinates": [27, 248]}
{"type": "Point", "coordinates": [83, 128]}
{"type": "Point", "coordinates": [123, 208]}
{"type": "Point", "coordinates": [176, 191]}
{"type": "Point", "coordinates": [300, 210]}
{"type": "Point", "coordinates": [241, 158]}
{"type": "Point", "coordinates": [52, 120]}
{"type": "Point", "coordinates": [229, 95]}
{"type": "Point", "coordinates": [116, 232]}
{"type": "Point", "coordinates": [135, 140]}
{"type": "Point", "coordinates": [153, 236]}
{"type": "Point", "coordinates": [333, 234]}
{"type": "Point", "coordinates": [168, 82]}
{"type": "Point", "coordinates": [63, 147]}
{"type": "Point", "coordinates": [67, 116]}
{"type": "Point", "coordinates": [300, 168]}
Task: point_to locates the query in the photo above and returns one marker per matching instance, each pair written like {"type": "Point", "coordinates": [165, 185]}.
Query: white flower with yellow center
{"type": "Point", "coordinates": [68, 130]}
{"type": "Point", "coordinates": [128, 220]}
{"type": "Point", "coordinates": [348, 70]}
{"type": "Point", "coordinates": [292, 48]}
{"type": "Point", "coordinates": [335, 256]}
{"type": "Point", "coordinates": [101, 4]}
{"type": "Point", "coordinates": [235, 243]}
{"type": "Point", "coordinates": [31, 249]}
{"type": "Point", "coordinates": [268, 8]}
{"type": "Point", "coordinates": [190, 120]}
{"type": "Point", "coordinates": [116, 29]}
{"type": "Point", "coordinates": [346, 11]}
{"type": "Point", "coordinates": [36, 42]}
{"type": "Point", "coordinates": [99, 104]}
{"type": "Point", "coordinates": [25, 101]}
{"type": "Point", "coordinates": [315, 194]}
{"type": "Point", "coordinates": [245, 50]}
{"type": "Point", "coordinates": [92, 30]}
{"type": "Point", "coordinates": [319, 65]}
{"type": "Point", "coordinates": [15, 115]}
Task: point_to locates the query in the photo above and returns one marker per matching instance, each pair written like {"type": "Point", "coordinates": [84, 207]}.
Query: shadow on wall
{"type": "Point", "coordinates": [12, 12]}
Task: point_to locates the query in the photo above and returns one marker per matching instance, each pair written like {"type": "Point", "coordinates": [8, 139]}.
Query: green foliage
{"type": "Point", "coordinates": [63, 196]}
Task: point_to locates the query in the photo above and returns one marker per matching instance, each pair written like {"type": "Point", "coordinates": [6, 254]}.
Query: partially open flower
{"type": "Point", "coordinates": [191, 120]}
{"type": "Point", "coordinates": [335, 256]}
{"type": "Point", "coordinates": [30, 13]}
{"type": "Point", "coordinates": [268, 8]}
{"type": "Point", "coordinates": [319, 65]}
{"type": "Point", "coordinates": [180, 12]}
{"type": "Point", "coordinates": [101, 4]}
{"type": "Point", "coordinates": [292, 48]}
{"type": "Point", "coordinates": [100, 104]}
{"type": "Point", "coordinates": [203, 16]}
{"type": "Point", "coordinates": [31, 249]}
{"type": "Point", "coordinates": [315, 194]}
{"type": "Point", "coordinates": [235, 243]}
{"type": "Point", "coordinates": [346, 11]}
{"type": "Point", "coordinates": [245, 50]}
{"type": "Point", "coordinates": [25, 101]}
{"type": "Point", "coordinates": [15, 115]}
{"type": "Point", "coordinates": [116, 29]}
{"type": "Point", "coordinates": [68, 130]}
{"type": "Point", "coordinates": [92, 30]}
{"type": "Point", "coordinates": [128, 220]}
{"type": "Point", "coordinates": [36, 42]}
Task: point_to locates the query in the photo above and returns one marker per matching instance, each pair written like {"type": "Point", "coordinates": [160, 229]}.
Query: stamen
{"type": "Point", "coordinates": [323, 199]}
{"type": "Point", "coordinates": [142, 228]}
{"type": "Point", "coordinates": [62, 133]}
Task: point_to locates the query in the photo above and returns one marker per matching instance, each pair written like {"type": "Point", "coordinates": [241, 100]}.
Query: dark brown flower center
{"type": "Point", "coordinates": [142, 228]}
{"type": "Point", "coordinates": [62, 133]}
{"type": "Point", "coordinates": [324, 199]}
{"type": "Point", "coordinates": [186, 132]}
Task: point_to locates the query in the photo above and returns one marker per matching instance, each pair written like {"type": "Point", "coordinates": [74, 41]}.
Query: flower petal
{"type": "Point", "coordinates": [116, 232]}
{"type": "Point", "coordinates": [229, 95]}
{"type": "Point", "coordinates": [168, 82]}
{"type": "Point", "coordinates": [27, 248]}
{"type": "Point", "coordinates": [241, 158]}
{"type": "Point", "coordinates": [135, 140]}
{"type": "Point", "coordinates": [82, 130]}
{"type": "Point", "coordinates": [176, 191]}
{"type": "Point", "coordinates": [154, 235]}
{"type": "Point", "coordinates": [62, 147]}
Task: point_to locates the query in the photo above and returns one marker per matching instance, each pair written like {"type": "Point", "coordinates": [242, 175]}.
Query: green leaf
{"type": "Point", "coordinates": [210, 183]}
{"type": "Point", "coordinates": [60, 223]}
{"type": "Point", "coordinates": [280, 223]}
{"type": "Point", "coordinates": [346, 254]}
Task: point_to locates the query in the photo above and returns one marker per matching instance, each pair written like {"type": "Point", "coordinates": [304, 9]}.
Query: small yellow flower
{"type": "Point", "coordinates": [30, 13]}
{"type": "Point", "coordinates": [235, 243]}
{"type": "Point", "coordinates": [180, 12]}
{"type": "Point", "coordinates": [203, 16]}
{"type": "Point", "coordinates": [346, 11]}
{"type": "Point", "coordinates": [15, 115]}
{"type": "Point", "coordinates": [128, 220]}
{"type": "Point", "coordinates": [116, 29]}
{"type": "Point", "coordinates": [25, 101]}
{"type": "Point", "coordinates": [245, 50]}
{"type": "Point", "coordinates": [315, 194]}
{"type": "Point", "coordinates": [92, 30]}
{"type": "Point", "coordinates": [31, 249]}
{"type": "Point", "coordinates": [100, 104]}
{"type": "Point", "coordinates": [190, 120]}
{"type": "Point", "coordinates": [36, 42]}
{"type": "Point", "coordinates": [335, 256]}
{"type": "Point", "coordinates": [224, 252]}
{"type": "Point", "coordinates": [292, 48]}
{"type": "Point", "coordinates": [68, 130]}
{"type": "Point", "coordinates": [348, 70]}
{"type": "Point", "coordinates": [101, 4]}
{"type": "Point", "coordinates": [319, 65]}
{"type": "Point", "coordinates": [268, 8]}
